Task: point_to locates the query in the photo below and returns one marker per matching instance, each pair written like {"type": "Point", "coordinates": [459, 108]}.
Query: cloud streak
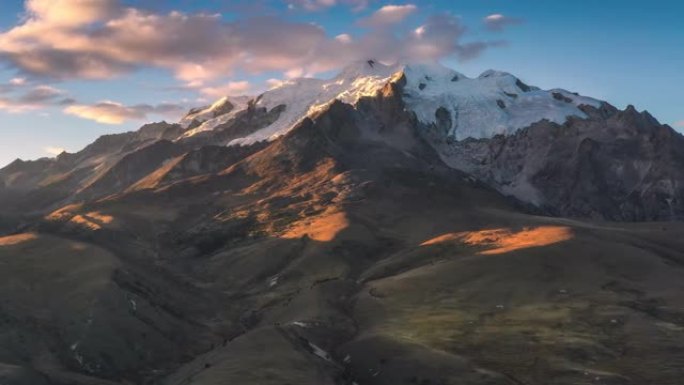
{"type": "Point", "coordinates": [388, 15]}
{"type": "Point", "coordinates": [109, 112]}
{"type": "Point", "coordinates": [18, 97]}
{"type": "Point", "coordinates": [317, 5]}
{"type": "Point", "coordinates": [238, 88]}
{"type": "Point", "coordinates": [498, 22]}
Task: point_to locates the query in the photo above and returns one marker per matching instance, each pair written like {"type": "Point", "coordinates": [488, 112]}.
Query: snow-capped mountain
{"type": "Point", "coordinates": [514, 137]}
{"type": "Point", "coordinates": [324, 219]}
{"type": "Point", "coordinates": [491, 104]}
{"type": "Point", "coordinates": [297, 97]}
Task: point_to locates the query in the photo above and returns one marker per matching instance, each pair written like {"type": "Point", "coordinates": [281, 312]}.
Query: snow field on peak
{"type": "Point", "coordinates": [304, 96]}
{"type": "Point", "coordinates": [494, 103]}
{"type": "Point", "coordinates": [207, 115]}
{"type": "Point", "coordinates": [491, 104]}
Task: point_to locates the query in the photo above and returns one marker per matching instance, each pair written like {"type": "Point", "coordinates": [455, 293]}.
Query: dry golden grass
{"type": "Point", "coordinates": [322, 228]}
{"type": "Point", "coordinates": [101, 218]}
{"type": "Point", "coordinates": [17, 239]}
{"type": "Point", "coordinates": [63, 213]}
{"type": "Point", "coordinates": [92, 220]}
{"type": "Point", "coordinates": [499, 241]}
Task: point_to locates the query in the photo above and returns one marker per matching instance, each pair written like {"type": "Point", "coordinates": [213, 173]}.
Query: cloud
{"type": "Point", "coordinates": [440, 36]}
{"type": "Point", "coordinates": [72, 12]}
{"type": "Point", "coordinates": [17, 81]}
{"type": "Point", "coordinates": [13, 85]}
{"type": "Point", "coordinates": [317, 5]}
{"type": "Point", "coordinates": [66, 102]}
{"type": "Point", "coordinates": [344, 38]}
{"type": "Point", "coordinates": [101, 39]}
{"type": "Point", "coordinates": [388, 15]}
{"type": "Point", "coordinates": [679, 124]}
{"type": "Point", "coordinates": [52, 150]}
{"type": "Point", "coordinates": [108, 112]}
{"type": "Point", "coordinates": [36, 97]}
{"type": "Point", "coordinates": [229, 89]}
{"type": "Point", "coordinates": [497, 22]}
{"type": "Point", "coordinates": [13, 107]}
{"type": "Point", "coordinates": [40, 95]}
{"type": "Point", "coordinates": [274, 83]}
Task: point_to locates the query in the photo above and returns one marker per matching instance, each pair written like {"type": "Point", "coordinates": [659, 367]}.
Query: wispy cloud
{"type": "Point", "coordinates": [17, 81]}
{"type": "Point", "coordinates": [317, 5]}
{"type": "Point", "coordinates": [109, 112]}
{"type": "Point", "coordinates": [40, 94]}
{"type": "Point", "coordinates": [497, 22]}
{"type": "Point", "coordinates": [388, 15]}
{"type": "Point", "coordinates": [679, 124]}
{"type": "Point", "coordinates": [20, 99]}
{"type": "Point", "coordinates": [229, 89]}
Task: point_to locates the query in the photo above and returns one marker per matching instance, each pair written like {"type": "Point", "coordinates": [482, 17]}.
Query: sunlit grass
{"type": "Point", "coordinates": [322, 228]}
{"type": "Point", "coordinates": [499, 241]}
{"type": "Point", "coordinates": [17, 239]}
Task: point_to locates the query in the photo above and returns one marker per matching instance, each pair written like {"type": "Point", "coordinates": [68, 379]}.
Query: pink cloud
{"type": "Point", "coordinates": [228, 89]}
{"type": "Point", "coordinates": [100, 39]}
{"type": "Point", "coordinates": [17, 81]}
{"type": "Point", "coordinates": [71, 12]}
{"type": "Point", "coordinates": [108, 112]}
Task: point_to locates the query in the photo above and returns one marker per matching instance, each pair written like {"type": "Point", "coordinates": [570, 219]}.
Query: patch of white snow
{"type": "Point", "coordinates": [304, 96]}
{"type": "Point", "coordinates": [494, 103]}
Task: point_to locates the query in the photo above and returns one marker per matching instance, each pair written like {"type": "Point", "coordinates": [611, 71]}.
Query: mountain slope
{"type": "Point", "coordinates": [344, 251]}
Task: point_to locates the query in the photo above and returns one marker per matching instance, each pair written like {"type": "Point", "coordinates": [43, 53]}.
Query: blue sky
{"type": "Point", "coordinates": [72, 70]}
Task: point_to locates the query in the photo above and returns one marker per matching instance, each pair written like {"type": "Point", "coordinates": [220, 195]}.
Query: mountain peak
{"type": "Point", "coordinates": [363, 68]}
{"type": "Point", "coordinates": [494, 103]}
{"type": "Point", "coordinates": [493, 73]}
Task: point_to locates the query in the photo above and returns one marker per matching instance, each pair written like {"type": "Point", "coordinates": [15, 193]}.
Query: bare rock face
{"type": "Point", "coordinates": [616, 165]}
